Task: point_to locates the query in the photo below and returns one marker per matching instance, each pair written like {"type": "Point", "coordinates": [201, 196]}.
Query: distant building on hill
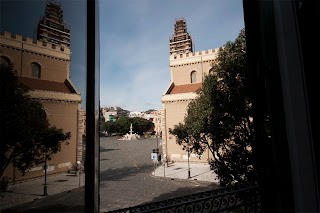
{"type": "Point", "coordinates": [109, 114]}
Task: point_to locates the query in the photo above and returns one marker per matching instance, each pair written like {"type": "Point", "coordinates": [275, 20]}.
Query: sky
{"type": "Point", "coordinates": [134, 41]}
{"type": "Point", "coordinates": [134, 44]}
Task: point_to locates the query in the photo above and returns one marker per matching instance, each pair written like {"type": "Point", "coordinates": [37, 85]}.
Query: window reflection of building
{"type": "Point", "coordinates": [35, 70]}
{"type": "Point", "coordinates": [49, 83]}
{"type": "Point", "coordinates": [44, 68]}
{"type": "Point", "coordinates": [51, 27]}
{"type": "Point", "coordinates": [4, 61]}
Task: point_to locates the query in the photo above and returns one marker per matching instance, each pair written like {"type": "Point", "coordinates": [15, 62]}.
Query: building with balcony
{"type": "Point", "coordinates": [108, 113]}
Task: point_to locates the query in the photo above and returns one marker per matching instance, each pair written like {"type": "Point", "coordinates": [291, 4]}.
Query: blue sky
{"type": "Point", "coordinates": [134, 41]}
{"type": "Point", "coordinates": [134, 44]}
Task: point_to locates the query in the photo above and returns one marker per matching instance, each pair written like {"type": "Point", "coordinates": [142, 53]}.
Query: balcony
{"type": "Point", "coordinates": [239, 198]}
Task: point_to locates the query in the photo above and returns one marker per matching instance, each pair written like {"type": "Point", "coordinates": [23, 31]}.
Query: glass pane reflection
{"type": "Point", "coordinates": [43, 154]}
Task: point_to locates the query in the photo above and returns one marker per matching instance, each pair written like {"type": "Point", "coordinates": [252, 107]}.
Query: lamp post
{"type": "Point", "coordinates": [79, 171]}
{"type": "Point", "coordinates": [188, 163]}
{"type": "Point", "coordinates": [157, 140]}
{"type": "Point", "coordinates": [45, 189]}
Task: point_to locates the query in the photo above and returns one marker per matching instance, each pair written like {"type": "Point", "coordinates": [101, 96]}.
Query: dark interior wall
{"type": "Point", "coordinates": [287, 140]}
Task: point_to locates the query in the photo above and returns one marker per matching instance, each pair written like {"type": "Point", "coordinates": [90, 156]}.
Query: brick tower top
{"type": "Point", "coordinates": [51, 27]}
{"type": "Point", "coordinates": [181, 41]}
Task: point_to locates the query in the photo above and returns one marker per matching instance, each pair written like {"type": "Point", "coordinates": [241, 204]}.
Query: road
{"type": "Point", "coordinates": [126, 180]}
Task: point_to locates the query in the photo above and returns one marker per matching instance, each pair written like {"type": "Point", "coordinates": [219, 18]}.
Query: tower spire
{"type": "Point", "coordinates": [181, 41]}
{"type": "Point", "coordinates": [51, 27]}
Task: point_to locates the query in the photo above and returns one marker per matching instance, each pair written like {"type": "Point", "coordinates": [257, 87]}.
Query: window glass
{"type": "Point", "coordinates": [146, 74]}
{"type": "Point", "coordinates": [35, 70]}
{"type": "Point", "coordinates": [4, 61]}
{"type": "Point", "coordinates": [193, 77]}
{"type": "Point", "coordinates": [45, 121]}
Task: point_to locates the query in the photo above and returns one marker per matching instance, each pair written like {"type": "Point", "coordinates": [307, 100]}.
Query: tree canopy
{"type": "Point", "coordinates": [122, 125]}
{"type": "Point", "coordinates": [27, 139]}
{"type": "Point", "coordinates": [220, 118]}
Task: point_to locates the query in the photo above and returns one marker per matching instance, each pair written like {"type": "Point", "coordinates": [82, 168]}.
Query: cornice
{"type": "Point", "coordinates": [178, 97]}
{"type": "Point", "coordinates": [55, 96]}
{"type": "Point", "coordinates": [193, 63]}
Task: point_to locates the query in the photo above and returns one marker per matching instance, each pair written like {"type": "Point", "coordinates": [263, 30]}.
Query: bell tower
{"type": "Point", "coordinates": [181, 41]}
{"type": "Point", "coordinates": [51, 27]}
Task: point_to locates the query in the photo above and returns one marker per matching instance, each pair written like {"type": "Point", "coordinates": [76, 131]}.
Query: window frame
{"type": "Point", "coordinates": [6, 60]}
{"type": "Point", "coordinates": [37, 65]}
{"type": "Point", "coordinates": [193, 76]}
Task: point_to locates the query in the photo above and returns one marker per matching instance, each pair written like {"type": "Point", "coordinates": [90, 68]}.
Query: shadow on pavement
{"type": "Point", "coordinates": [69, 201]}
{"type": "Point", "coordinates": [13, 192]}
{"type": "Point", "coordinates": [119, 174]}
{"type": "Point", "coordinates": [106, 150]}
{"type": "Point", "coordinates": [52, 208]}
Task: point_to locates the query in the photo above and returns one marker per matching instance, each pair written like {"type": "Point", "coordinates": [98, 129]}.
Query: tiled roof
{"type": "Point", "coordinates": [185, 88]}
{"type": "Point", "coordinates": [37, 84]}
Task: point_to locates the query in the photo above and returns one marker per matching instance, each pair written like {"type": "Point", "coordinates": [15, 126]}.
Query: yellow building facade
{"type": "Point", "coordinates": [45, 69]}
{"type": "Point", "coordinates": [187, 72]}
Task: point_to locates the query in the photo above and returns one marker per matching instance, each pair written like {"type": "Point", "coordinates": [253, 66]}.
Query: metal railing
{"type": "Point", "coordinates": [239, 198]}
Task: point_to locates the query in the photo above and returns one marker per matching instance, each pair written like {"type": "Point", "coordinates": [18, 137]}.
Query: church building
{"type": "Point", "coordinates": [187, 71]}
{"type": "Point", "coordinates": [44, 66]}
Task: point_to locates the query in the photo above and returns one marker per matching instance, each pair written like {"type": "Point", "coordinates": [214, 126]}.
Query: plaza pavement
{"type": "Point", "coordinates": [63, 187]}
{"type": "Point", "coordinates": [179, 170]}
{"type": "Point", "coordinates": [32, 190]}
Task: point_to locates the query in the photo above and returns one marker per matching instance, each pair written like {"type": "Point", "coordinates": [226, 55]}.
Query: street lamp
{"type": "Point", "coordinates": [45, 189]}
{"type": "Point", "coordinates": [188, 163]}
{"type": "Point", "coordinates": [157, 140]}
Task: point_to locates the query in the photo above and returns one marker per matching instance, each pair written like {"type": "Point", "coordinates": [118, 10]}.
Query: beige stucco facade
{"type": "Point", "coordinates": [175, 100]}
{"type": "Point", "coordinates": [60, 98]}
{"type": "Point", "coordinates": [182, 65]}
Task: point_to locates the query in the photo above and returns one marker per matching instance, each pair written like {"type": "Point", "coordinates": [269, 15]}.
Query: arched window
{"type": "Point", "coordinates": [4, 61]}
{"type": "Point", "coordinates": [35, 70]}
{"type": "Point", "coordinates": [193, 77]}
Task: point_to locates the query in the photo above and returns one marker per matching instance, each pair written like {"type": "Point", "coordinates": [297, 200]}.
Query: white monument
{"type": "Point", "coordinates": [130, 135]}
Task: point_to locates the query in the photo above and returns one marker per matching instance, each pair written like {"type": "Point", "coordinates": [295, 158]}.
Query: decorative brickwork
{"type": "Point", "coordinates": [51, 27]}
{"type": "Point", "coordinates": [181, 41]}
{"type": "Point", "coordinates": [30, 44]}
